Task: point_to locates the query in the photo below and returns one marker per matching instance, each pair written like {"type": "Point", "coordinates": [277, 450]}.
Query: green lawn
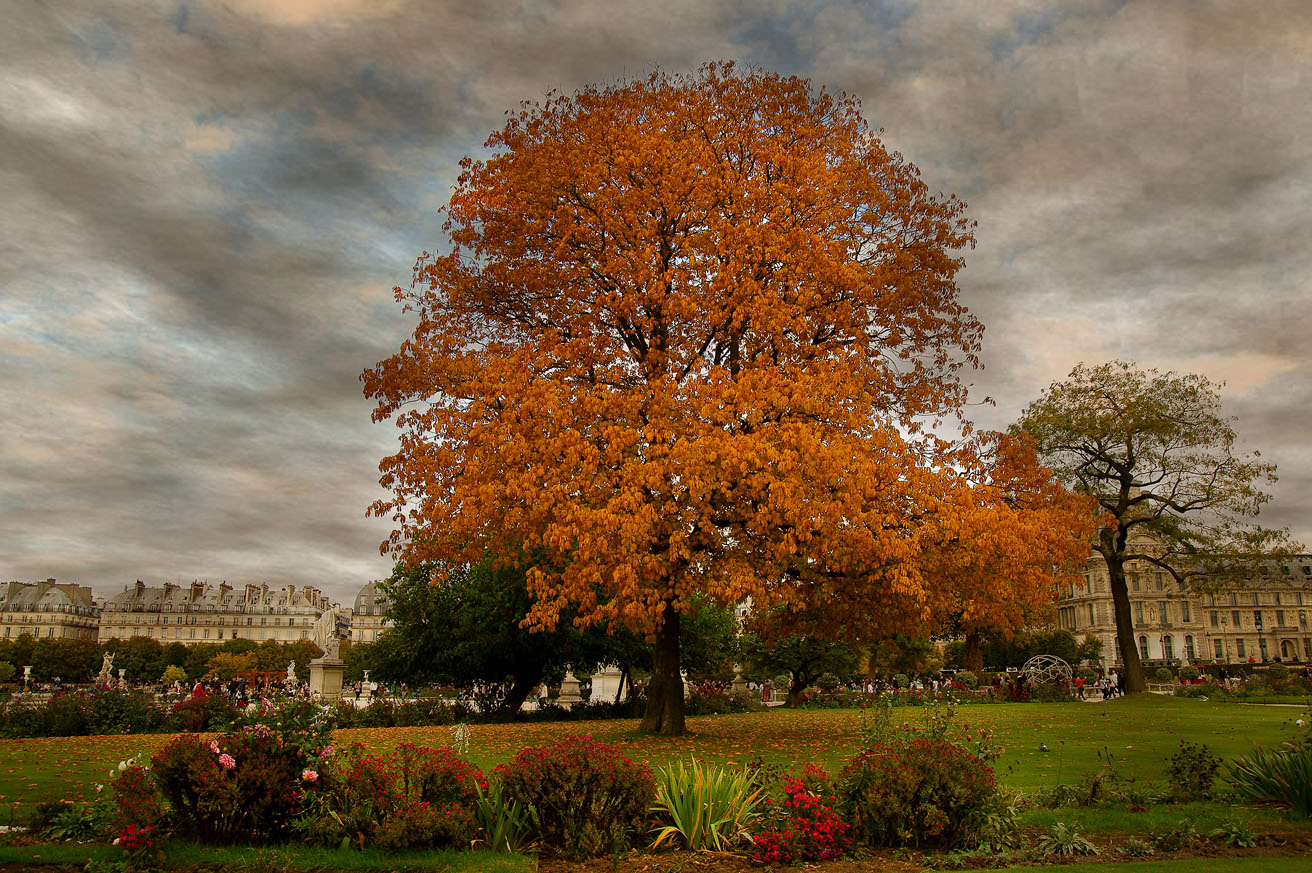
{"type": "Point", "coordinates": [1140, 733]}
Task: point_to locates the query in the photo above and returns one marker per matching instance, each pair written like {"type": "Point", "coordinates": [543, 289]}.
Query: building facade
{"type": "Point", "coordinates": [1265, 619]}
{"type": "Point", "coordinates": [49, 609]}
{"type": "Point", "coordinates": [204, 613]}
{"type": "Point", "coordinates": [369, 615]}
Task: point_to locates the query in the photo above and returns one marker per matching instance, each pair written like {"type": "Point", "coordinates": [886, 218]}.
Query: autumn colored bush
{"type": "Point", "coordinates": [415, 797]}
{"type": "Point", "coordinates": [196, 715]}
{"type": "Point", "coordinates": [243, 787]}
{"type": "Point", "coordinates": [590, 799]}
{"type": "Point", "coordinates": [137, 800]}
{"type": "Point", "coordinates": [807, 826]}
{"type": "Point", "coordinates": [923, 792]}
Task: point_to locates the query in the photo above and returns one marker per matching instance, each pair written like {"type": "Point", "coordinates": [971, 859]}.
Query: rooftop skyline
{"type": "Point", "coordinates": [209, 204]}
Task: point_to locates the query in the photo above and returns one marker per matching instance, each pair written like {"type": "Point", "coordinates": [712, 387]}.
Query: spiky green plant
{"type": "Point", "coordinates": [1282, 777]}
{"type": "Point", "coordinates": [702, 806]}
{"type": "Point", "coordinates": [508, 825]}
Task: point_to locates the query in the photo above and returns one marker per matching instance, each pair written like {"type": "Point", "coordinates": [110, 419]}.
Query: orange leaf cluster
{"type": "Point", "coordinates": [686, 340]}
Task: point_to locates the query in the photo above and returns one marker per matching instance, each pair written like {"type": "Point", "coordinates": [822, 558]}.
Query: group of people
{"type": "Point", "coordinates": [1109, 684]}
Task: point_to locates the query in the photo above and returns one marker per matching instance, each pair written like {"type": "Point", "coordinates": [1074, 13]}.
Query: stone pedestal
{"type": "Point", "coordinates": [569, 691]}
{"type": "Point", "coordinates": [606, 684]}
{"type": "Point", "coordinates": [366, 688]}
{"type": "Point", "coordinates": [739, 683]}
{"type": "Point", "coordinates": [326, 678]}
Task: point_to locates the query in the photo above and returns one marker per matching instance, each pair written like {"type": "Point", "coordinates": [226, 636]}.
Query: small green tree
{"type": "Point", "coordinates": [1156, 454]}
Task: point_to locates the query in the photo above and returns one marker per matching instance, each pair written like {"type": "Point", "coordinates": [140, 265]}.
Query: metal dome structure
{"type": "Point", "coordinates": [1047, 670]}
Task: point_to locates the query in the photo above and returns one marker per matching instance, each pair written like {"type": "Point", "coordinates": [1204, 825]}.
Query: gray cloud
{"type": "Point", "coordinates": [209, 203]}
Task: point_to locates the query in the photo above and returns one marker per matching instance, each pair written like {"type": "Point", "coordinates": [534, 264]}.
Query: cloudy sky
{"type": "Point", "coordinates": [207, 204]}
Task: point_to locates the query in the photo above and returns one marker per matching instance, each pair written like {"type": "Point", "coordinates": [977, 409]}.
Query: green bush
{"type": "Point", "coordinates": [1164, 674]}
{"type": "Point", "coordinates": [827, 681]}
{"type": "Point", "coordinates": [1064, 841]}
{"type": "Point", "coordinates": [1189, 673]}
{"type": "Point", "coordinates": [1277, 672]}
{"type": "Point", "coordinates": [924, 792]}
{"type": "Point", "coordinates": [125, 712]}
{"type": "Point", "coordinates": [1051, 692]}
{"type": "Point", "coordinates": [967, 679]}
{"type": "Point", "coordinates": [901, 680]}
{"type": "Point", "coordinates": [590, 799]}
{"type": "Point", "coordinates": [1191, 772]}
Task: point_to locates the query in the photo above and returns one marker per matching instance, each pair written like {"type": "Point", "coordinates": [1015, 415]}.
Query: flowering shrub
{"type": "Point", "coordinates": [707, 699]}
{"type": "Point", "coordinates": [242, 788]}
{"type": "Point", "coordinates": [136, 800]}
{"type": "Point", "coordinates": [810, 829]}
{"type": "Point", "coordinates": [139, 848]}
{"type": "Point", "coordinates": [413, 798]}
{"type": "Point", "coordinates": [922, 792]}
{"type": "Point", "coordinates": [588, 797]}
{"type": "Point", "coordinates": [211, 712]}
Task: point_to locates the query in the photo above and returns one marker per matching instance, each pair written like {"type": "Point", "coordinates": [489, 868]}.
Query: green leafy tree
{"type": "Point", "coordinates": [7, 671]}
{"type": "Point", "coordinates": [770, 648]}
{"type": "Point", "coordinates": [71, 660]}
{"type": "Point", "coordinates": [228, 665]}
{"type": "Point", "coordinates": [1156, 454]}
{"type": "Point", "coordinates": [465, 626]}
{"type": "Point", "coordinates": [914, 656]}
{"type": "Point", "coordinates": [1089, 650]}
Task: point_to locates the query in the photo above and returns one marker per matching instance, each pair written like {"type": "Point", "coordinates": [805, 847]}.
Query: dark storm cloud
{"type": "Point", "coordinates": [208, 203]}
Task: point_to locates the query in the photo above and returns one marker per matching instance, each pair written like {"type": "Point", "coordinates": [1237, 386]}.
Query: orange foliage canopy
{"type": "Point", "coordinates": [686, 339]}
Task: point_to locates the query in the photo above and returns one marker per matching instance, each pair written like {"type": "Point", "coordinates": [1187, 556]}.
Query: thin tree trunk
{"type": "Point", "coordinates": [624, 677]}
{"type": "Point", "coordinates": [1131, 666]}
{"type": "Point", "coordinates": [665, 692]}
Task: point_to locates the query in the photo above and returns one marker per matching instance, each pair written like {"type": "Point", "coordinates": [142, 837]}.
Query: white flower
{"type": "Point", "coordinates": [1299, 722]}
{"type": "Point", "coordinates": [122, 765]}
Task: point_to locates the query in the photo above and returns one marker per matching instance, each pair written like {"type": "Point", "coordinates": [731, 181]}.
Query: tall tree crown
{"type": "Point", "coordinates": [685, 340]}
{"type": "Point", "coordinates": [1157, 454]}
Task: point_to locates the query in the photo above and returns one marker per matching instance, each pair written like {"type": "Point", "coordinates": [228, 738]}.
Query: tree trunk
{"type": "Point", "coordinates": [1131, 666]}
{"type": "Point", "coordinates": [624, 678]}
{"type": "Point", "coordinates": [665, 691]}
{"type": "Point", "coordinates": [518, 693]}
{"type": "Point", "coordinates": [972, 658]}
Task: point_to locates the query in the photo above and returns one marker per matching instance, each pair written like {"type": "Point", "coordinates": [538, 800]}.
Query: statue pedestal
{"type": "Point", "coordinates": [569, 692]}
{"type": "Point", "coordinates": [326, 678]}
{"type": "Point", "coordinates": [606, 685]}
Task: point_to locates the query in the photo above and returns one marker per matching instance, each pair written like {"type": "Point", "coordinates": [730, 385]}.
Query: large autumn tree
{"type": "Point", "coordinates": [1156, 453]}
{"type": "Point", "coordinates": [685, 341]}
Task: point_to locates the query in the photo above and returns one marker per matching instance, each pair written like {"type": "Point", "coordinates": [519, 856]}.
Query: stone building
{"type": "Point", "coordinates": [58, 610]}
{"type": "Point", "coordinates": [204, 613]}
{"type": "Point", "coordinates": [1265, 618]}
{"type": "Point", "coordinates": [369, 616]}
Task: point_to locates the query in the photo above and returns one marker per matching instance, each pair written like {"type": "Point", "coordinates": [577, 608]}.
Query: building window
{"type": "Point", "coordinates": [1257, 619]}
{"type": "Point", "coordinates": [1159, 581]}
{"type": "Point", "coordinates": [1239, 648]}
{"type": "Point", "coordinates": [1277, 598]}
{"type": "Point", "coordinates": [1189, 649]}
{"type": "Point", "coordinates": [1307, 648]}
{"type": "Point", "coordinates": [1217, 651]}
{"type": "Point", "coordinates": [1238, 622]}
{"type": "Point", "coordinates": [1302, 618]}
{"type": "Point", "coordinates": [1185, 615]}
{"type": "Point", "coordinates": [1261, 647]}
{"type": "Point", "coordinates": [1091, 621]}
{"type": "Point", "coordinates": [1162, 614]}
{"type": "Point", "coordinates": [1280, 618]}
{"type": "Point", "coordinates": [1143, 648]}
{"type": "Point", "coordinates": [1134, 581]}
{"type": "Point", "coordinates": [1216, 620]}
{"type": "Point", "coordinates": [1168, 648]}
{"type": "Point", "coordinates": [1138, 612]}
{"type": "Point", "coordinates": [1234, 599]}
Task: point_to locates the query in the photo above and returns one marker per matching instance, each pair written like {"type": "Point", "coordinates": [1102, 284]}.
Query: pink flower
{"type": "Point", "coordinates": [308, 775]}
{"type": "Point", "coordinates": [214, 746]}
{"type": "Point", "coordinates": [227, 762]}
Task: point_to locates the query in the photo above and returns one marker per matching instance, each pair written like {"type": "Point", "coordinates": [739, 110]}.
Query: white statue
{"type": "Point", "coordinates": [327, 634]}
{"type": "Point", "coordinates": [106, 670]}
{"type": "Point", "coordinates": [291, 671]}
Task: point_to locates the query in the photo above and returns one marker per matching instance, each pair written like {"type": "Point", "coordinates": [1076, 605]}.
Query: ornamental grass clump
{"type": "Point", "coordinates": [590, 799]}
{"type": "Point", "coordinates": [925, 792]}
{"type": "Point", "coordinates": [701, 806]}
